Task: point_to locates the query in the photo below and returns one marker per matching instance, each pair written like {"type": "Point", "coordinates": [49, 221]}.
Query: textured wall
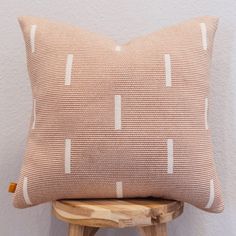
{"type": "Point", "coordinates": [121, 20]}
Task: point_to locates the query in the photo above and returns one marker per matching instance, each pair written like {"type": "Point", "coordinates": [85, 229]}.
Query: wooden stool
{"type": "Point", "coordinates": [149, 215]}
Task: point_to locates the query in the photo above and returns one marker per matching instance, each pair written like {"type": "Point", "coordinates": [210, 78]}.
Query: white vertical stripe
{"type": "Point", "coordinates": [67, 156]}
{"type": "Point", "coordinates": [69, 62]}
{"type": "Point", "coordinates": [25, 191]}
{"type": "Point", "coordinates": [170, 147]}
{"type": "Point", "coordinates": [211, 195]}
{"type": "Point", "coordinates": [34, 113]}
{"type": "Point", "coordinates": [118, 48]}
{"type": "Point", "coordinates": [32, 37]}
{"type": "Point", "coordinates": [119, 189]}
{"type": "Point", "coordinates": [168, 70]}
{"type": "Point", "coordinates": [117, 111]}
{"type": "Point", "coordinates": [206, 113]}
{"type": "Point", "coordinates": [204, 35]}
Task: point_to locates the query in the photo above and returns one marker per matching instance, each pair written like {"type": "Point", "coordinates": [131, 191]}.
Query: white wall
{"type": "Point", "coordinates": [122, 20]}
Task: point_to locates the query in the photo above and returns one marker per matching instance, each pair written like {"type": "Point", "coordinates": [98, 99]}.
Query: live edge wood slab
{"type": "Point", "coordinates": [149, 215]}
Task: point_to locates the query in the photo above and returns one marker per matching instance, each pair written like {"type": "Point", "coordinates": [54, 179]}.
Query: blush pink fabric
{"type": "Point", "coordinates": [119, 121]}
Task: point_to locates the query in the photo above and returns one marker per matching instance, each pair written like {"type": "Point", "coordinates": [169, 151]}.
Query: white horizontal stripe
{"type": "Point", "coordinates": [69, 62]}
{"type": "Point", "coordinates": [32, 37]}
{"type": "Point", "coordinates": [117, 111]}
{"type": "Point", "coordinates": [34, 113]}
{"type": "Point", "coordinates": [119, 189]}
{"type": "Point", "coordinates": [25, 191]}
{"type": "Point", "coordinates": [204, 35]}
{"type": "Point", "coordinates": [168, 70]}
{"type": "Point", "coordinates": [206, 113]}
{"type": "Point", "coordinates": [211, 195]}
{"type": "Point", "coordinates": [170, 155]}
{"type": "Point", "coordinates": [67, 156]}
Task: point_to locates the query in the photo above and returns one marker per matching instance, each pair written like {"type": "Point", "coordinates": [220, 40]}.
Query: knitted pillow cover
{"type": "Point", "coordinates": [119, 121]}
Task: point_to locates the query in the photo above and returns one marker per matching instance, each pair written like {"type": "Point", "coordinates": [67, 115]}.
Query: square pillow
{"type": "Point", "coordinates": [119, 121]}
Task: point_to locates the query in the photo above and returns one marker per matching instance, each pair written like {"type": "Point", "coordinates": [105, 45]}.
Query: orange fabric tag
{"type": "Point", "coordinates": [12, 187]}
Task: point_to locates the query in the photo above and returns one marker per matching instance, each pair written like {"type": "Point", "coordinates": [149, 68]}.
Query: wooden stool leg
{"type": "Point", "coordinates": [78, 230]}
{"type": "Point", "coordinates": [153, 230]}
{"type": "Point", "coordinates": [90, 231]}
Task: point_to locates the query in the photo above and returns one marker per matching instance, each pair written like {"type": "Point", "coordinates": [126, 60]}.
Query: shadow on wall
{"type": "Point", "coordinates": [57, 227]}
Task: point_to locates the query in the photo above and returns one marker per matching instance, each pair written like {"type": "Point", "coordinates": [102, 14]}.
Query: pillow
{"type": "Point", "coordinates": [119, 121]}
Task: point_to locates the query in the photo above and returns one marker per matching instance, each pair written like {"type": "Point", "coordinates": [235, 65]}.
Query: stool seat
{"type": "Point", "coordinates": [86, 216]}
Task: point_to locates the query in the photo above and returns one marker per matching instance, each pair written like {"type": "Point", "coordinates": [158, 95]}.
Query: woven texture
{"type": "Point", "coordinates": [114, 121]}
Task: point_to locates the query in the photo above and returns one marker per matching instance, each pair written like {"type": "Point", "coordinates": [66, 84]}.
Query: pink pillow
{"type": "Point", "coordinates": [119, 121]}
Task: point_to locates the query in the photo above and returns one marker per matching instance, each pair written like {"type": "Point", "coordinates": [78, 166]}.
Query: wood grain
{"type": "Point", "coordinates": [117, 213]}
{"type": "Point", "coordinates": [78, 230]}
{"type": "Point", "coordinates": [153, 230]}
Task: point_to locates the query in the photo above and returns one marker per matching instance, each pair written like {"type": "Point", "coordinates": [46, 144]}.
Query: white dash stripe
{"type": "Point", "coordinates": [67, 156]}
{"type": "Point", "coordinates": [118, 48]}
{"type": "Point", "coordinates": [117, 111]}
{"type": "Point", "coordinates": [25, 191]}
{"type": "Point", "coordinates": [119, 189]}
{"type": "Point", "coordinates": [69, 62]}
{"type": "Point", "coordinates": [32, 37]}
{"type": "Point", "coordinates": [170, 150]}
{"type": "Point", "coordinates": [34, 113]}
{"type": "Point", "coordinates": [206, 113]}
{"type": "Point", "coordinates": [168, 70]}
{"type": "Point", "coordinates": [212, 195]}
{"type": "Point", "coordinates": [204, 35]}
